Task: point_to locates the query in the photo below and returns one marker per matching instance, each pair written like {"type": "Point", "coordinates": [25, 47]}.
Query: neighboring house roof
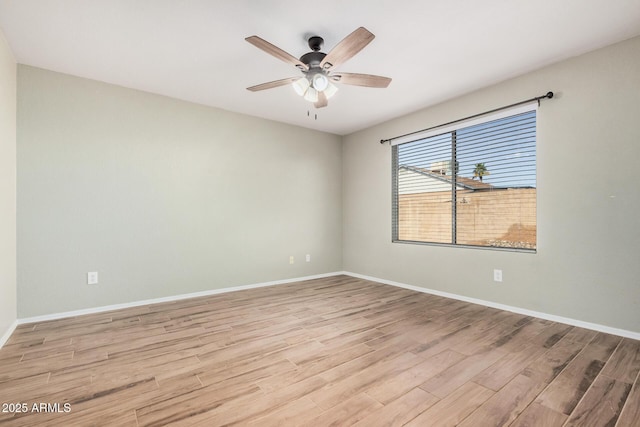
{"type": "Point", "coordinates": [461, 181]}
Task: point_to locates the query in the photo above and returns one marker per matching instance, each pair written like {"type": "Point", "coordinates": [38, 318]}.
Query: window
{"type": "Point", "coordinates": [472, 185]}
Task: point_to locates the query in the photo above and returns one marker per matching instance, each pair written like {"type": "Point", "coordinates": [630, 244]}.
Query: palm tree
{"type": "Point", "coordinates": [480, 171]}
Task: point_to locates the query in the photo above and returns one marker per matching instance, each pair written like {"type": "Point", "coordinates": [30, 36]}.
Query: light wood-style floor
{"type": "Point", "coordinates": [337, 351]}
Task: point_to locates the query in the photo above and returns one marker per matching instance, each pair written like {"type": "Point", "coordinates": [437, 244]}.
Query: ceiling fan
{"type": "Point", "coordinates": [316, 84]}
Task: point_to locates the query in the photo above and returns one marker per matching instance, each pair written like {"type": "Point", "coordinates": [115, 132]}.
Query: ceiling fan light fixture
{"type": "Point", "coordinates": [320, 82]}
{"type": "Point", "coordinates": [301, 85]}
{"type": "Point", "coordinates": [317, 83]}
{"type": "Point", "coordinates": [311, 95]}
{"type": "Point", "coordinates": [330, 90]}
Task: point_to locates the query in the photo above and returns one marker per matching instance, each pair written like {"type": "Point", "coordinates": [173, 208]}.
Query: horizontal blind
{"type": "Point", "coordinates": [459, 124]}
{"type": "Point", "coordinates": [473, 186]}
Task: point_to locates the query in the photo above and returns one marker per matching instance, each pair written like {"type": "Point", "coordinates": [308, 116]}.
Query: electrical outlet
{"type": "Point", "coordinates": [291, 260]}
{"type": "Point", "coordinates": [497, 275]}
{"type": "Point", "coordinates": [308, 258]}
{"type": "Point", "coordinates": [92, 278]}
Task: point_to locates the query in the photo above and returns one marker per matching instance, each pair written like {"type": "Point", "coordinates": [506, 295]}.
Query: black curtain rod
{"type": "Point", "coordinates": [537, 98]}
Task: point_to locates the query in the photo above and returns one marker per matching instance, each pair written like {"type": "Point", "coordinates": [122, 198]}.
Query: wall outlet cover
{"type": "Point", "coordinates": [92, 278]}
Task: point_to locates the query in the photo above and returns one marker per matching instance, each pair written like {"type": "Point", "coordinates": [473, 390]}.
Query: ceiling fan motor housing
{"type": "Point", "coordinates": [315, 57]}
{"type": "Point", "coordinates": [312, 59]}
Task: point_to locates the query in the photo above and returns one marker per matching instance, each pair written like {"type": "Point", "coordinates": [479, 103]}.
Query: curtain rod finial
{"type": "Point", "coordinates": [549, 94]}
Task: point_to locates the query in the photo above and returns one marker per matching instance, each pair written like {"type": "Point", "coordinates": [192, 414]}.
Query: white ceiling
{"type": "Point", "coordinates": [195, 50]}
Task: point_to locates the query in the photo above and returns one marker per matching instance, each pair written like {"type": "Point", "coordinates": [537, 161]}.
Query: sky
{"type": "Point", "coordinates": [507, 147]}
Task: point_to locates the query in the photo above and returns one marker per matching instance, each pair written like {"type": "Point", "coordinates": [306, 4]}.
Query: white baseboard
{"type": "Point", "coordinates": [8, 333]}
{"type": "Point", "coordinates": [526, 312]}
{"type": "Point", "coordinates": [101, 309]}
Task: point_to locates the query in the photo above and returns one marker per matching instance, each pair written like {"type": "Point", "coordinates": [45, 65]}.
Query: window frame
{"type": "Point", "coordinates": [452, 129]}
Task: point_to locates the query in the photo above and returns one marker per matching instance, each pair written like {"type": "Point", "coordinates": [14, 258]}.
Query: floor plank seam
{"type": "Point", "coordinates": [634, 387]}
{"type": "Point", "coordinates": [570, 416]}
{"type": "Point", "coordinates": [564, 368]}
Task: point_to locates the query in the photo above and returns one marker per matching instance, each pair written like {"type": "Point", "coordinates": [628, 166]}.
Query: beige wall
{"type": "Point", "coordinates": [7, 187]}
{"type": "Point", "coordinates": [586, 267]}
{"type": "Point", "coordinates": [162, 197]}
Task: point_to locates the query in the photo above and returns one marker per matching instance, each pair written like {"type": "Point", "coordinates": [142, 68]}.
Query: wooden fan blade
{"type": "Point", "coordinates": [322, 100]}
{"type": "Point", "coordinates": [276, 51]}
{"type": "Point", "coordinates": [276, 83]}
{"type": "Point", "coordinates": [347, 48]}
{"type": "Point", "coordinates": [366, 80]}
